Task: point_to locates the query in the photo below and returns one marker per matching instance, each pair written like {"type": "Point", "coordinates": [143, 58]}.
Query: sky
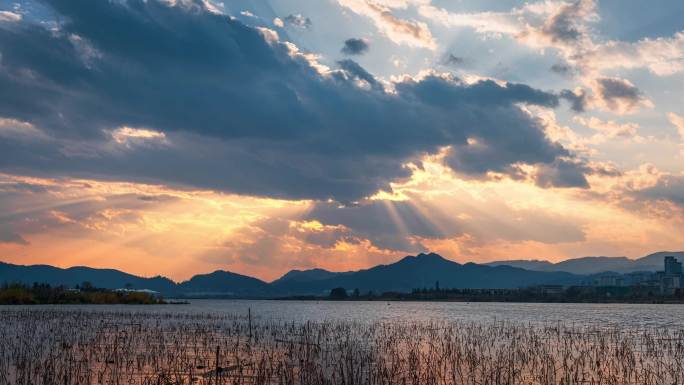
{"type": "Point", "coordinates": [178, 137]}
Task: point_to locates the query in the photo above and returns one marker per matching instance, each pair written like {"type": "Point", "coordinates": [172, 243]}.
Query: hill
{"type": "Point", "coordinates": [103, 278]}
{"type": "Point", "coordinates": [421, 271]}
{"type": "Point", "coordinates": [223, 284]}
{"type": "Point", "coordinates": [425, 270]}
{"type": "Point", "coordinates": [305, 275]}
{"type": "Point", "coordinates": [595, 265]}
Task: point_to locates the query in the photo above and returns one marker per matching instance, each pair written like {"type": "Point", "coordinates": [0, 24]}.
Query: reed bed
{"type": "Point", "coordinates": [39, 346]}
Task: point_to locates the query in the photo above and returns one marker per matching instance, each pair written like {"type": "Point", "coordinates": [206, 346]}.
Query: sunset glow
{"type": "Point", "coordinates": [183, 137]}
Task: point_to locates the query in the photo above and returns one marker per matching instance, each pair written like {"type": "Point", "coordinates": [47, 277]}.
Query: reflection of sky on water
{"type": "Point", "coordinates": [604, 315]}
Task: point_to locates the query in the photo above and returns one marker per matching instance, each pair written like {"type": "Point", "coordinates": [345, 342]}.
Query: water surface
{"type": "Point", "coordinates": [608, 315]}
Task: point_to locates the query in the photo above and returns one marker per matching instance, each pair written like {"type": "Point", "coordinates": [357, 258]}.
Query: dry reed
{"type": "Point", "coordinates": [39, 346]}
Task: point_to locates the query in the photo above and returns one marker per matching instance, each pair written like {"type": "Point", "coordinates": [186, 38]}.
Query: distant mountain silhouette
{"type": "Point", "coordinates": [423, 270]}
{"type": "Point", "coordinates": [306, 276]}
{"type": "Point", "coordinates": [595, 265]}
{"type": "Point", "coordinates": [104, 278]}
{"type": "Point", "coordinates": [223, 284]}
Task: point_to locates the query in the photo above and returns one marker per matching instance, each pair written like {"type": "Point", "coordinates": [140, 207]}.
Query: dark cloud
{"type": "Point", "coordinates": [9, 236]}
{"type": "Point", "coordinates": [22, 188]}
{"type": "Point", "coordinates": [330, 237]}
{"type": "Point", "coordinates": [619, 94]}
{"type": "Point", "coordinates": [352, 69]}
{"type": "Point", "coordinates": [501, 136]}
{"type": "Point", "coordinates": [565, 24]}
{"type": "Point", "coordinates": [355, 46]}
{"type": "Point", "coordinates": [440, 91]}
{"type": "Point", "coordinates": [563, 173]}
{"type": "Point", "coordinates": [577, 100]}
{"type": "Point", "coordinates": [297, 20]}
{"type": "Point", "coordinates": [453, 60]}
{"type": "Point", "coordinates": [669, 188]}
{"type": "Point", "coordinates": [157, 198]}
{"type": "Point", "coordinates": [562, 69]}
{"type": "Point", "coordinates": [240, 111]}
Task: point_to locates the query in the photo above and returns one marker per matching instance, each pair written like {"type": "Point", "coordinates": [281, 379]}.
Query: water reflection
{"type": "Point", "coordinates": [607, 315]}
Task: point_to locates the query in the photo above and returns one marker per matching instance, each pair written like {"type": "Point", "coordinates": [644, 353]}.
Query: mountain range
{"type": "Point", "coordinates": [423, 270]}
{"type": "Point", "coordinates": [596, 265]}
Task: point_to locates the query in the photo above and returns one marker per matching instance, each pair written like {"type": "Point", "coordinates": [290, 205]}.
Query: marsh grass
{"type": "Point", "coordinates": [39, 346]}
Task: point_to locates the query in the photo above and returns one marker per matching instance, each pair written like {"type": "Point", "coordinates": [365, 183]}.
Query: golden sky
{"type": "Point", "coordinates": [151, 229]}
{"type": "Point", "coordinates": [182, 137]}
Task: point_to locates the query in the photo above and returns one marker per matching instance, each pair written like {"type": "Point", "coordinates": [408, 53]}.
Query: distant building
{"type": "Point", "coordinates": [667, 281]}
{"type": "Point", "coordinates": [671, 279]}
{"type": "Point", "coordinates": [152, 293]}
{"type": "Point", "coordinates": [609, 279]}
{"type": "Point", "coordinates": [550, 289]}
{"type": "Point", "coordinates": [670, 283]}
{"type": "Point", "coordinates": [640, 278]}
{"type": "Point", "coordinates": [672, 266]}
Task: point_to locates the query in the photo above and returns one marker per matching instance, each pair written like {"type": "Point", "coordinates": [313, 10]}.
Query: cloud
{"type": "Point", "coordinates": [566, 22]}
{"type": "Point", "coordinates": [237, 109]}
{"type": "Point", "coordinates": [610, 129]}
{"type": "Point", "coordinates": [563, 174]}
{"type": "Point", "coordinates": [285, 243]}
{"type": "Point", "coordinates": [297, 20]}
{"type": "Point", "coordinates": [496, 148]}
{"type": "Point", "coordinates": [388, 225]}
{"type": "Point", "coordinates": [668, 188]}
{"type": "Point", "coordinates": [35, 207]}
{"type": "Point", "coordinates": [678, 122]}
{"type": "Point", "coordinates": [561, 69]}
{"type": "Point", "coordinates": [355, 46]}
{"type": "Point", "coordinates": [578, 99]}
{"type": "Point", "coordinates": [453, 60]}
{"type": "Point", "coordinates": [59, 215]}
{"type": "Point", "coordinates": [407, 225]}
{"type": "Point", "coordinates": [484, 22]}
{"type": "Point", "coordinates": [355, 71]}
{"type": "Point", "coordinates": [128, 135]}
{"type": "Point", "coordinates": [620, 95]}
{"type": "Point", "coordinates": [9, 236]}
{"type": "Point", "coordinates": [663, 56]}
{"type": "Point", "coordinates": [7, 16]}
{"type": "Point", "coordinates": [603, 131]}
{"type": "Point", "coordinates": [400, 31]}
{"type": "Point", "coordinates": [548, 23]}
{"type": "Point", "coordinates": [565, 26]}
{"type": "Point", "coordinates": [15, 129]}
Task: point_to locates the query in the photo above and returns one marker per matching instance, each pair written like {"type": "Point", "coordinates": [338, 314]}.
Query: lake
{"type": "Point", "coordinates": [211, 342]}
{"type": "Point", "coordinates": [607, 315]}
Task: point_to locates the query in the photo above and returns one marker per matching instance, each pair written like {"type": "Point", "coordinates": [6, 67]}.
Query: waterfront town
{"type": "Point", "coordinates": [664, 282]}
{"type": "Point", "coordinates": [663, 286]}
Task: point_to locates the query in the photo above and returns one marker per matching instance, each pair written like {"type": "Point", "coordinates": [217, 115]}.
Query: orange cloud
{"type": "Point", "coordinates": [152, 229]}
